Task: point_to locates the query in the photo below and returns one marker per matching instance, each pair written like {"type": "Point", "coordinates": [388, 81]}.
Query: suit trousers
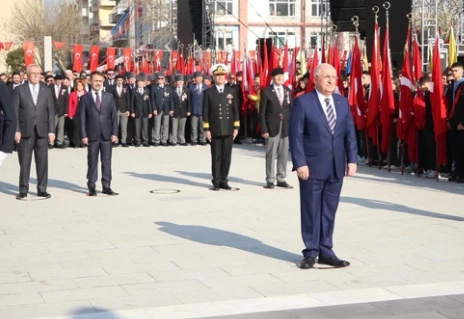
{"type": "Point", "coordinates": [276, 147]}
{"type": "Point", "coordinates": [76, 137]}
{"type": "Point", "coordinates": [178, 130]}
{"type": "Point", "coordinates": [458, 152]}
{"type": "Point", "coordinates": [427, 149]}
{"type": "Point", "coordinates": [319, 202]}
{"type": "Point", "coordinates": [38, 146]}
{"type": "Point", "coordinates": [141, 130]}
{"type": "Point", "coordinates": [59, 123]}
{"type": "Point", "coordinates": [94, 149]}
{"type": "Point", "coordinates": [198, 134]}
{"type": "Point", "coordinates": [161, 128]}
{"type": "Point", "coordinates": [130, 130]}
{"type": "Point", "coordinates": [122, 123]}
{"type": "Point", "coordinates": [221, 155]}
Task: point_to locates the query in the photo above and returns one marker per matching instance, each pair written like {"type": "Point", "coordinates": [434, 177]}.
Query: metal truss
{"type": "Point", "coordinates": [208, 36]}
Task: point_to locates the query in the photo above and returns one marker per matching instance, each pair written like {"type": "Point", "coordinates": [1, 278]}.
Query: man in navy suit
{"type": "Point", "coordinates": [323, 144]}
{"type": "Point", "coordinates": [99, 129]}
{"type": "Point", "coordinates": [196, 104]}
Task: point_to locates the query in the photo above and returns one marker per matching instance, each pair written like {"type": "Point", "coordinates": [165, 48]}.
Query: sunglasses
{"type": "Point", "coordinates": [110, 74]}
{"type": "Point", "coordinates": [50, 81]}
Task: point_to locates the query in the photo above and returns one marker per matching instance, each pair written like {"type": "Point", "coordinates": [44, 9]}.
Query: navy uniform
{"type": "Point", "coordinates": [221, 118]}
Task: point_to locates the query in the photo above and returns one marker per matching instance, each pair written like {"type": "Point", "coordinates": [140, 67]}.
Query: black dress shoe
{"type": "Point", "coordinates": [21, 196]}
{"type": "Point", "coordinates": [307, 263]}
{"type": "Point", "coordinates": [164, 144]}
{"type": "Point", "coordinates": [334, 262]}
{"type": "Point", "coordinates": [194, 144]}
{"type": "Point", "coordinates": [225, 186]}
{"type": "Point", "coordinates": [283, 185]}
{"type": "Point", "coordinates": [156, 144]}
{"type": "Point", "coordinates": [453, 179]}
{"type": "Point", "coordinates": [202, 143]}
{"type": "Point", "coordinates": [269, 186]}
{"type": "Point", "coordinates": [109, 191]}
{"type": "Point", "coordinates": [214, 188]}
{"type": "Point", "coordinates": [183, 144]}
{"type": "Point", "coordinates": [146, 145]}
{"type": "Point", "coordinates": [92, 192]}
{"type": "Point", "coordinates": [44, 194]}
{"type": "Point", "coordinates": [125, 145]}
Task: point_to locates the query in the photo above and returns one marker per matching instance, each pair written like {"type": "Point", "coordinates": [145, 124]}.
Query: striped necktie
{"type": "Point", "coordinates": [330, 115]}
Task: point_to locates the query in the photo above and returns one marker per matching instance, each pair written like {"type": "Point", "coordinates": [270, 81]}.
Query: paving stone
{"type": "Point", "coordinates": [407, 306]}
{"type": "Point", "coordinates": [83, 294]}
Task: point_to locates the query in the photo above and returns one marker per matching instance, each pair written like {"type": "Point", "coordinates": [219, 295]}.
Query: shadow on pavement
{"type": "Point", "coordinates": [8, 189]}
{"type": "Point", "coordinates": [168, 179]}
{"type": "Point", "coordinates": [63, 185]}
{"type": "Point", "coordinates": [217, 237]}
{"type": "Point", "coordinates": [94, 313]}
{"type": "Point", "coordinates": [375, 204]}
{"type": "Point", "coordinates": [231, 179]}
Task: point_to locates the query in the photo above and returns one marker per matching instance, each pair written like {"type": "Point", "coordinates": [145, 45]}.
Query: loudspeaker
{"type": "Point", "coordinates": [342, 11]}
{"type": "Point", "coordinates": [398, 28]}
{"type": "Point", "coordinates": [184, 29]}
{"type": "Point", "coordinates": [260, 45]}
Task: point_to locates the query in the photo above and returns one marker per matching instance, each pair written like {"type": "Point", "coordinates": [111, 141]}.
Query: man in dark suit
{"type": "Point", "coordinates": [99, 129]}
{"type": "Point", "coordinates": [122, 98]}
{"type": "Point", "coordinates": [275, 107]}
{"type": "Point", "coordinates": [161, 98]}
{"type": "Point", "coordinates": [60, 97]}
{"type": "Point", "coordinates": [130, 86]}
{"type": "Point", "coordinates": [196, 105]}
{"type": "Point", "coordinates": [110, 83]}
{"type": "Point", "coordinates": [141, 111]}
{"type": "Point", "coordinates": [35, 111]}
{"type": "Point", "coordinates": [7, 123]}
{"type": "Point", "coordinates": [323, 147]}
{"type": "Point", "coordinates": [181, 112]}
{"type": "Point", "coordinates": [221, 122]}
{"type": "Point", "coordinates": [16, 77]}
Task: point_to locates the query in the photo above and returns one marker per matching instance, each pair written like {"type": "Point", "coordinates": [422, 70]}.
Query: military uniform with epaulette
{"type": "Point", "coordinates": [221, 118]}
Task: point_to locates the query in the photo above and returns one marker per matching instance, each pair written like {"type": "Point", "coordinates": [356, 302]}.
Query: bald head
{"type": "Point", "coordinates": [326, 79]}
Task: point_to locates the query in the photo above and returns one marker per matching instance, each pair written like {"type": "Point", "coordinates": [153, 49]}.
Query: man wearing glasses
{"type": "Point", "coordinates": [110, 82]}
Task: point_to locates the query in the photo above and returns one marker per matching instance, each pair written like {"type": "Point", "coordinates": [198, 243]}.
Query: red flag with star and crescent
{"type": "Point", "coordinates": [77, 58]}
{"type": "Point", "coordinates": [28, 53]}
{"type": "Point", "coordinates": [94, 55]}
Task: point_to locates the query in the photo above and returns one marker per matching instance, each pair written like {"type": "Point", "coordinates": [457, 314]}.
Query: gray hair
{"type": "Point", "coordinates": [322, 66]}
{"type": "Point", "coordinates": [30, 66]}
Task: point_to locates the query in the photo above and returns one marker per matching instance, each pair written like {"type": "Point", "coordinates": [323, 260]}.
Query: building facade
{"type": "Point", "coordinates": [5, 35]}
{"type": "Point", "coordinates": [240, 23]}
{"type": "Point", "coordinates": [95, 20]}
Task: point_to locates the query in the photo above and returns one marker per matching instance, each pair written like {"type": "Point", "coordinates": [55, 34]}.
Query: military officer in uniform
{"type": "Point", "coordinates": [221, 122]}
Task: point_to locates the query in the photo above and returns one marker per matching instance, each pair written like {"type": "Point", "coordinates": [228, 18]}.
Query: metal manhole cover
{"type": "Point", "coordinates": [165, 191]}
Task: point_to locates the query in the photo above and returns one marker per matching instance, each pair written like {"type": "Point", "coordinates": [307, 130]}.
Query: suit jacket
{"type": "Point", "coordinates": [181, 103]}
{"type": "Point", "coordinates": [196, 98]}
{"type": "Point", "coordinates": [458, 113]}
{"type": "Point", "coordinates": [61, 103]}
{"type": "Point", "coordinates": [141, 105]}
{"type": "Point", "coordinates": [98, 125]}
{"type": "Point", "coordinates": [272, 113]}
{"type": "Point", "coordinates": [238, 88]}
{"type": "Point", "coordinates": [7, 120]}
{"type": "Point", "coordinates": [110, 88]}
{"type": "Point", "coordinates": [312, 143]}
{"type": "Point", "coordinates": [123, 101]}
{"type": "Point", "coordinates": [41, 116]}
{"type": "Point", "coordinates": [221, 111]}
{"type": "Point", "coordinates": [10, 88]}
{"type": "Point", "coordinates": [162, 98]}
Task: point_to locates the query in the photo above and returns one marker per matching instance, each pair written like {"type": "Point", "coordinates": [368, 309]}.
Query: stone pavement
{"type": "Point", "coordinates": [197, 253]}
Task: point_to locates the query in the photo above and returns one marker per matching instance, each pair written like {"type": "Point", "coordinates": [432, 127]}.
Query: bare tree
{"type": "Point", "coordinates": [158, 22]}
{"type": "Point", "coordinates": [31, 20]}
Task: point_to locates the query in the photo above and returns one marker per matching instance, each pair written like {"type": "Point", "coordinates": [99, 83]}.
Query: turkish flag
{"type": "Point", "coordinates": [28, 53]}
{"type": "Point", "coordinates": [127, 53]}
{"type": "Point", "coordinates": [77, 58]}
{"type": "Point", "coordinates": [7, 45]}
{"type": "Point", "coordinates": [94, 54]}
{"type": "Point", "coordinates": [110, 57]}
{"type": "Point", "coordinates": [59, 45]}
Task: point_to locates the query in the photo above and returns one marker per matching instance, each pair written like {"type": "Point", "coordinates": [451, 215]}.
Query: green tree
{"type": "Point", "coordinates": [15, 60]}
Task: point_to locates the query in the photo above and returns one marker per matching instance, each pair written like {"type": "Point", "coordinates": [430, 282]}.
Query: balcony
{"type": "Point", "coordinates": [85, 13]}
{"type": "Point", "coordinates": [94, 7]}
{"type": "Point", "coordinates": [94, 28]}
{"type": "Point", "coordinates": [118, 11]}
{"type": "Point", "coordinates": [107, 3]}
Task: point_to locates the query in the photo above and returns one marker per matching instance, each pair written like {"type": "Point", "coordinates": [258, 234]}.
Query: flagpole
{"type": "Point", "coordinates": [377, 126]}
{"type": "Point", "coordinates": [386, 6]}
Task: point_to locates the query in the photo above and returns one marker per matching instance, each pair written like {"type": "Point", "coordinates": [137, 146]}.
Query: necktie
{"type": "Point", "coordinates": [330, 115]}
{"type": "Point", "coordinates": [220, 90]}
{"type": "Point", "coordinates": [198, 87]}
{"type": "Point", "coordinates": [179, 91]}
{"type": "Point", "coordinates": [97, 101]}
{"type": "Point", "coordinates": [35, 93]}
{"type": "Point", "coordinates": [279, 95]}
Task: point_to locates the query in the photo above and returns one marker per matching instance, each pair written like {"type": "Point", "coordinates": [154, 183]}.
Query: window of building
{"type": "Point", "coordinates": [278, 38]}
{"type": "Point", "coordinates": [314, 39]}
{"type": "Point", "coordinates": [318, 7]}
{"type": "Point", "coordinates": [282, 8]}
{"type": "Point", "coordinates": [224, 7]}
{"type": "Point", "coordinates": [223, 39]}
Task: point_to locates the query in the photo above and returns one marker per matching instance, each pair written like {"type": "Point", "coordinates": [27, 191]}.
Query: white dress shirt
{"type": "Point", "coordinates": [220, 88]}
{"type": "Point", "coordinates": [323, 104]}
{"type": "Point", "coordinates": [94, 96]}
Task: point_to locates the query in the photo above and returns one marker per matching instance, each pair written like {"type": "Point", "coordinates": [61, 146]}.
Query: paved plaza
{"type": "Point", "coordinates": [167, 247]}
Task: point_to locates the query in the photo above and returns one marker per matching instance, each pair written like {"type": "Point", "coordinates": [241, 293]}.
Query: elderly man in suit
{"type": "Point", "coordinates": [122, 98]}
{"type": "Point", "coordinates": [181, 112]}
{"type": "Point", "coordinates": [323, 148]}
{"type": "Point", "coordinates": [99, 129]}
{"type": "Point", "coordinates": [196, 104]}
{"type": "Point", "coordinates": [221, 122]}
{"type": "Point", "coordinates": [35, 129]}
{"type": "Point", "coordinates": [7, 123]}
{"type": "Point", "coordinates": [162, 100]}
{"type": "Point", "coordinates": [60, 97]}
{"type": "Point", "coordinates": [275, 107]}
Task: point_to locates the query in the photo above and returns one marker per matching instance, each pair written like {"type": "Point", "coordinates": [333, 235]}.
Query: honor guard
{"type": "Point", "coordinates": [221, 122]}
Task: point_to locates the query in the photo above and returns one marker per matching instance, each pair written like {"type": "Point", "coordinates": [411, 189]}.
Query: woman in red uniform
{"type": "Point", "coordinates": [74, 97]}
